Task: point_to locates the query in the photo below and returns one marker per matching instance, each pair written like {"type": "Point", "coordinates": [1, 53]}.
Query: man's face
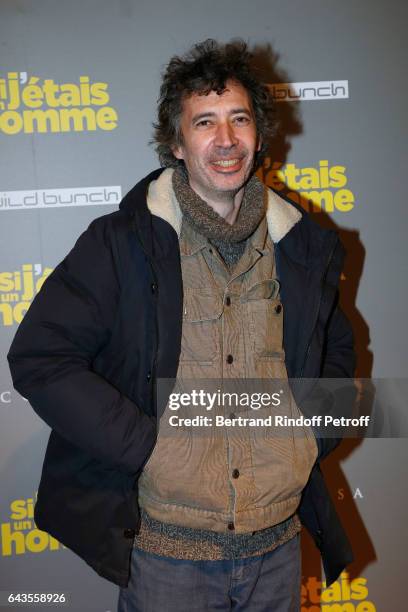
{"type": "Point", "coordinates": [219, 141]}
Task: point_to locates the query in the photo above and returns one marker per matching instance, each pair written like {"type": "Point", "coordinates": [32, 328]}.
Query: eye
{"type": "Point", "coordinates": [203, 123]}
{"type": "Point", "coordinates": [242, 119]}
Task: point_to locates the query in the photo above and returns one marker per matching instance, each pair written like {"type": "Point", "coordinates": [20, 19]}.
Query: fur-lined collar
{"type": "Point", "coordinates": [162, 202]}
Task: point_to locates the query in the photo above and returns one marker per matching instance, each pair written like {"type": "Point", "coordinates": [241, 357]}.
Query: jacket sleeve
{"type": "Point", "coordinates": [338, 362]}
{"type": "Point", "coordinates": [339, 359]}
{"type": "Point", "coordinates": [51, 356]}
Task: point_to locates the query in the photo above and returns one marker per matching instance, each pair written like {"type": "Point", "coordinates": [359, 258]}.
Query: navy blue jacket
{"type": "Point", "coordinates": [105, 325]}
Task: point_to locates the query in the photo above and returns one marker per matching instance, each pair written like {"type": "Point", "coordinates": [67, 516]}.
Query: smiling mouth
{"type": "Point", "coordinates": [226, 163]}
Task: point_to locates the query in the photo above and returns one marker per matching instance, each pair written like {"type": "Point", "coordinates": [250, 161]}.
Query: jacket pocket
{"type": "Point", "coordinates": [265, 317]}
{"type": "Point", "coordinates": [200, 334]}
{"type": "Point", "coordinates": [283, 456]}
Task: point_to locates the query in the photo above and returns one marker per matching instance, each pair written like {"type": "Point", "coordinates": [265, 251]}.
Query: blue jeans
{"type": "Point", "coordinates": [267, 583]}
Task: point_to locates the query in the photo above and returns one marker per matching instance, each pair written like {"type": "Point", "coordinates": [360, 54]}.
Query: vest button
{"type": "Point", "coordinates": [231, 526]}
{"type": "Point", "coordinates": [228, 301]}
{"type": "Point", "coordinates": [210, 251]}
{"type": "Point", "coordinates": [278, 308]}
{"type": "Point", "coordinates": [153, 287]}
{"type": "Point", "coordinates": [149, 376]}
{"type": "Point", "coordinates": [235, 473]}
{"type": "Point", "coordinates": [230, 359]}
{"type": "Point", "coordinates": [129, 533]}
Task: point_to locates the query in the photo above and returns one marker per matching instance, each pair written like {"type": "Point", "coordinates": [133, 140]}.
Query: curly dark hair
{"type": "Point", "coordinates": [205, 68]}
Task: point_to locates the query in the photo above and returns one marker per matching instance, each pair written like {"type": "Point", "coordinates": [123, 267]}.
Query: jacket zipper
{"type": "Point", "coordinates": [316, 314]}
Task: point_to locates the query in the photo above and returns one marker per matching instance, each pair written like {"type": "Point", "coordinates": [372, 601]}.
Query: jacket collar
{"type": "Point", "coordinates": [162, 202]}
{"type": "Point", "coordinates": [191, 241]}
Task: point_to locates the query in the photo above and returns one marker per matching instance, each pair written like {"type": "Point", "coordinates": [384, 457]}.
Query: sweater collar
{"type": "Point", "coordinates": [192, 241]}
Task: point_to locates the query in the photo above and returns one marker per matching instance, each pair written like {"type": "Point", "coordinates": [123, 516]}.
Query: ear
{"type": "Point", "coordinates": [258, 148]}
{"type": "Point", "coordinates": [177, 151]}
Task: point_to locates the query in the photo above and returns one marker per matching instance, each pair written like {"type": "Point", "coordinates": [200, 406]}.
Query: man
{"type": "Point", "coordinates": [190, 278]}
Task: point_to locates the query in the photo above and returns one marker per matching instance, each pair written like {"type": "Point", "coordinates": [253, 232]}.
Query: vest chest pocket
{"type": "Point", "coordinates": [265, 316]}
{"type": "Point", "coordinates": [202, 309]}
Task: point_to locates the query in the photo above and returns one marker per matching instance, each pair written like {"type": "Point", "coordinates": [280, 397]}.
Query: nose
{"type": "Point", "coordinates": [225, 136]}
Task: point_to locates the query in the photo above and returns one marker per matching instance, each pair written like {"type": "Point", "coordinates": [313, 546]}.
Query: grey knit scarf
{"type": "Point", "coordinates": [228, 239]}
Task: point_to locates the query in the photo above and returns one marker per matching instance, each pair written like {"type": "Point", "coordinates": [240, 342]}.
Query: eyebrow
{"type": "Point", "coordinates": [234, 111]}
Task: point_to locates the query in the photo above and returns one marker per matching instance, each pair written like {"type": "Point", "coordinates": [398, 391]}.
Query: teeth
{"type": "Point", "coordinates": [226, 162]}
